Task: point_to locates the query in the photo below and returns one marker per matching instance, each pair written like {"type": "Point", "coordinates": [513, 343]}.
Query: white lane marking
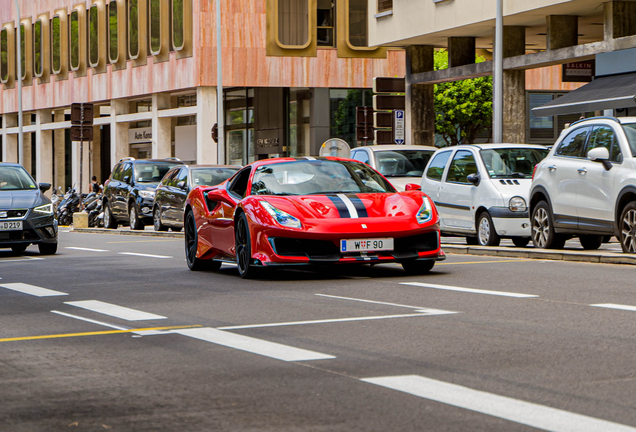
{"type": "Point", "coordinates": [24, 258]}
{"type": "Point", "coordinates": [615, 306]}
{"type": "Point", "coordinates": [253, 345]}
{"type": "Point", "coordinates": [114, 310]}
{"type": "Point", "coordinates": [86, 249]}
{"type": "Point", "coordinates": [352, 209]}
{"type": "Point", "coordinates": [90, 320]}
{"type": "Point", "coordinates": [371, 301]}
{"type": "Point", "coordinates": [143, 255]}
{"type": "Point", "coordinates": [527, 413]}
{"type": "Point", "coordinates": [326, 321]}
{"type": "Point", "coordinates": [470, 290]}
{"type": "Point", "coordinates": [32, 290]}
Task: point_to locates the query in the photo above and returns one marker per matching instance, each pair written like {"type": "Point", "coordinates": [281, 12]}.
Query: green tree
{"type": "Point", "coordinates": [463, 108]}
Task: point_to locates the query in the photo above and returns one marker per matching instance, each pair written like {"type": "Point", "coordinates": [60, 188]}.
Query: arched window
{"type": "Point", "coordinates": [75, 40]}
{"type": "Point", "coordinates": [113, 39]}
{"type": "Point", "coordinates": [4, 55]}
{"type": "Point", "coordinates": [56, 44]}
{"type": "Point", "coordinates": [133, 28]}
{"type": "Point", "coordinates": [178, 30]}
{"type": "Point", "coordinates": [155, 26]}
{"type": "Point", "coordinates": [38, 52]}
{"type": "Point", "coordinates": [93, 36]}
{"type": "Point", "coordinates": [291, 27]}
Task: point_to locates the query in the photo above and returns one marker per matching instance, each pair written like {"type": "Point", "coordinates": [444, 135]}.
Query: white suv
{"type": "Point", "coordinates": [586, 187]}
{"type": "Point", "coordinates": [481, 190]}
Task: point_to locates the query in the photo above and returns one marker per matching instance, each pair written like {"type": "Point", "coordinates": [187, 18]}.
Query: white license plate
{"type": "Point", "coordinates": [366, 245]}
{"type": "Point", "coordinates": [11, 226]}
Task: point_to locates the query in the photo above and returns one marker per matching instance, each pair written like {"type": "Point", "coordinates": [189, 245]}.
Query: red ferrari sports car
{"type": "Point", "coordinates": [309, 211]}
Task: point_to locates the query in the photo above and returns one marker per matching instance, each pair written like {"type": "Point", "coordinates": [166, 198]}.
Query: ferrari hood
{"type": "Point", "coordinates": [344, 206]}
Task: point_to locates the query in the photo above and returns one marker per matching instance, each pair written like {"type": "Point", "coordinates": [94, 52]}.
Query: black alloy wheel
{"type": "Point", "coordinates": [19, 248]}
{"type": "Point", "coordinates": [486, 233]}
{"type": "Point", "coordinates": [628, 228]}
{"type": "Point", "coordinates": [156, 218]}
{"type": "Point", "coordinates": [244, 248]}
{"type": "Point", "coordinates": [47, 248]}
{"type": "Point", "coordinates": [135, 222]}
{"type": "Point", "coordinates": [109, 220]}
{"type": "Point", "coordinates": [418, 267]}
{"type": "Point", "coordinates": [591, 242]}
{"type": "Point", "coordinates": [521, 241]}
{"type": "Point", "coordinates": [191, 246]}
{"type": "Point", "coordinates": [543, 235]}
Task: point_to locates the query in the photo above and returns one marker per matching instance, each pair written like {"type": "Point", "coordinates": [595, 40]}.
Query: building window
{"type": "Point", "coordinates": [4, 55]}
{"type": "Point", "coordinates": [155, 26]}
{"type": "Point", "coordinates": [56, 44]}
{"type": "Point", "coordinates": [177, 24]}
{"type": "Point", "coordinates": [544, 130]}
{"type": "Point", "coordinates": [239, 126]}
{"type": "Point", "coordinates": [23, 49]}
{"type": "Point", "coordinates": [37, 48]}
{"type": "Point", "coordinates": [343, 103]}
{"type": "Point", "coordinates": [113, 40]}
{"type": "Point", "coordinates": [293, 22]}
{"type": "Point", "coordinates": [325, 23]}
{"type": "Point", "coordinates": [385, 5]}
{"type": "Point", "coordinates": [93, 36]}
{"type": "Point", "coordinates": [357, 23]}
{"type": "Point", "coordinates": [75, 42]}
{"type": "Point", "coordinates": [133, 28]}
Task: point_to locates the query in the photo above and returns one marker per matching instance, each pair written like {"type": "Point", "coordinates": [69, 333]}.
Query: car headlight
{"type": "Point", "coordinates": [46, 209]}
{"type": "Point", "coordinates": [517, 204]}
{"type": "Point", "coordinates": [147, 194]}
{"type": "Point", "coordinates": [284, 219]}
{"type": "Point", "coordinates": [425, 214]}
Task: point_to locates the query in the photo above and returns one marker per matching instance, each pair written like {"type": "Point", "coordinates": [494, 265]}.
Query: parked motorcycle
{"type": "Point", "coordinates": [68, 206]}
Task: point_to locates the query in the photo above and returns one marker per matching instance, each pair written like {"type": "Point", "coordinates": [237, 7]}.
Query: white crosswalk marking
{"type": "Point", "coordinates": [32, 290]}
{"type": "Point", "coordinates": [253, 345]}
{"type": "Point", "coordinates": [470, 290]}
{"type": "Point", "coordinates": [616, 306]}
{"type": "Point", "coordinates": [538, 416]}
{"type": "Point", "coordinates": [115, 311]}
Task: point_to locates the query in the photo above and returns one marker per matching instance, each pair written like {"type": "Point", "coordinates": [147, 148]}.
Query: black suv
{"type": "Point", "coordinates": [130, 191]}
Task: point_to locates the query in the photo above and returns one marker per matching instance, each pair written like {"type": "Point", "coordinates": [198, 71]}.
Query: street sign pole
{"type": "Point", "coordinates": [20, 119]}
{"type": "Point", "coordinates": [498, 78]}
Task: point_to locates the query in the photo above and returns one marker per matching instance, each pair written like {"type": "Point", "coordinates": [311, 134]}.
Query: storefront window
{"type": "Point", "coordinates": [75, 50]}
{"type": "Point", "coordinates": [299, 130]}
{"type": "Point", "coordinates": [177, 24]}
{"type": "Point", "coordinates": [343, 105]}
{"type": "Point", "coordinates": [4, 55]}
{"type": "Point", "coordinates": [37, 47]}
{"type": "Point", "coordinates": [239, 126]}
{"type": "Point", "coordinates": [113, 41]}
{"type": "Point", "coordinates": [133, 27]}
{"type": "Point", "coordinates": [56, 44]}
{"type": "Point", "coordinates": [93, 36]}
{"type": "Point", "coordinates": [326, 22]}
{"type": "Point", "coordinates": [540, 127]}
{"type": "Point", "coordinates": [155, 25]}
{"type": "Point", "coordinates": [293, 22]}
{"type": "Point", "coordinates": [358, 23]}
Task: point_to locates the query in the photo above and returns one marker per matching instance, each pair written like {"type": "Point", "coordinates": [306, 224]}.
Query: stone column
{"type": "Point", "coordinates": [420, 100]}
{"type": "Point", "coordinates": [319, 120]}
{"type": "Point", "coordinates": [9, 142]}
{"type": "Point", "coordinates": [119, 146]}
{"type": "Point", "coordinates": [27, 145]}
{"type": "Point", "coordinates": [461, 51]}
{"type": "Point", "coordinates": [96, 147]}
{"type": "Point", "coordinates": [59, 152]}
{"type": "Point", "coordinates": [161, 127]}
{"type": "Point", "coordinates": [562, 31]}
{"type": "Point", "coordinates": [207, 149]}
{"type": "Point", "coordinates": [43, 148]}
{"type": "Point", "coordinates": [620, 19]}
{"type": "Point", "coordinates": [514, 87]}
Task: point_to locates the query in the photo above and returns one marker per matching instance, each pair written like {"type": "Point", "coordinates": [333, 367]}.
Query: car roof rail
{"type": "Point", "coordinates": [596, 118]}
{"type": "Point", "coordinates": [127, 159]}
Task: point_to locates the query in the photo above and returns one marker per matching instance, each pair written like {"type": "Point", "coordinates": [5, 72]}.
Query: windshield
{"type": "Point", "coordinates": [402, 163]}
{"type": "Point", "coordinates": [151, 172]}
{"type": "Point", "coordinates": [211, 176]}
{"type": "Point", "coordinates": [318, 177]}
{"type": "Point", "coordinates": [15, 178]}
{"type": "Point", "coordinates": [630, 133]}
{"type": "Point", "coordinates": [512, 162]}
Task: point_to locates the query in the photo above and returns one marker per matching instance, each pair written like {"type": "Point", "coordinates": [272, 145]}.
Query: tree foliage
{"type": "Point", "coordinates": [463, 108]}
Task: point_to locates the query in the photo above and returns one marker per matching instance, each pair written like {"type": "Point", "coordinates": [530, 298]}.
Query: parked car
{"type": "Point", "coordinates": [586, 187]}
{"type": "Point", "coordinates": [288, 211]}
{"type": "Point", "coordinates": [26, 214]}
{"type": "Point", "coordinates": [481, 190]}
{"type": "Point", "coordinates": [400, 164]}
{"type": "Point", "coordinates": [173, 191]}
{"type": "Point", "coordinates": [129, 193]}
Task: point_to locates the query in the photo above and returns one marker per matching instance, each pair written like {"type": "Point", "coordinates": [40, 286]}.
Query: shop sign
{"type": "Point", "coordinates": [267, 142]}
{"type": "Point", "coordinates": [578, 72]}
{"type": "Point", "coordinates": [140, 135]}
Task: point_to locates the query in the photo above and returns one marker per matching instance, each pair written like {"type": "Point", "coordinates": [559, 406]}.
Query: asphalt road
{"type": "Point", "coordinates": [136, 342]}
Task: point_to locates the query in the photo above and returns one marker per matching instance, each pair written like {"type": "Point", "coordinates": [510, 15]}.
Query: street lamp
{"type": "Point", "coordinates": [219, 88]}
{"type": "Point", "coordinates": [498, 77]}
{"type": "Point", "coordinates": [19, 77]}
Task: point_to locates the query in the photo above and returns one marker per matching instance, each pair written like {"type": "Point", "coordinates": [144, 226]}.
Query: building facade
{"type": "Point", "coordinates": [293, 72]}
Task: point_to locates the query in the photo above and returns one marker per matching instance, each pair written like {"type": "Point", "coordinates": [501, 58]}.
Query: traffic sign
{"type": "Point", "coordinates": [398, 126]}
{"type": "Point", "coordinates": [81, 133]}
{"type": "Point", "coordinates": [389, 85]}
{"type": "Point", "coordinates": [82, 114]}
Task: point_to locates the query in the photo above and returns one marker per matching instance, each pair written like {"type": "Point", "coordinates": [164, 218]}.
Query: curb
{"type": "Point", "coordinates": [169, 234]}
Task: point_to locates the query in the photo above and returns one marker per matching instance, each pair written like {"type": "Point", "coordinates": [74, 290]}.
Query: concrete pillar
{"type": "Point", "coordinates": [96, 148]}
{"type": "Point", "coordinates": [207, 149]}
{"type": "Point", "coordinates": [43, 148]}
{"type": "Point", "coordinates": [620, 19]}
{"type": "Point", "coordinates": [161, 127]}
{"type": "Point", "coordinates": [562, 31]}
{"type": "Point", "coordinates": [420, 100]}
{"type": "Point", "coordinates": [119, 146]}
{"type": "Point", "coordinates": [514, 87]}
{"type": "Point", "coordinates": [9, 142]}
{"type": "Point", "coordinates": [319, 119]}
{"type": "Point", "coordinates": [59, 152]}
{"type": "Point", "coordinates": [461, 51]}
{"type": "Point", "coordinates": [27, 145]}
{"type": "Point", "coordinates": [78, 148]}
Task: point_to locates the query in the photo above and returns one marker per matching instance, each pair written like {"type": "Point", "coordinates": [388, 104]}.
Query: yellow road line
{"type": "Point", "coordinates": [486, 262]}
{"type": "Point", "coordinates": [107, 332]}
{"type": "Point", "coordinates": [144, 241]}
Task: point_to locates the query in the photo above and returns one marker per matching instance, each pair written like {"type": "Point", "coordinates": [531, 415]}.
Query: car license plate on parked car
{"type": "Point", "coordinates": [11, 226]}
{"type": "Point", "coordinates": [366, 245]}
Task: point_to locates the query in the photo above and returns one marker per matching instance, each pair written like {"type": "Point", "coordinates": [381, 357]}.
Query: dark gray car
{"type": "Point", "coordinates": [173, 191]}
{"type": "Point", "coordinates": [26, 214]}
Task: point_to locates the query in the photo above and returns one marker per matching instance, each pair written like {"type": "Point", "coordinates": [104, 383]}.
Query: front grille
{"type": "Point", "coordinates": [418, 243]}
{"type": "Point", "coordinates": [312, 249]}
{"type": "Point", "coordinates": [13, 213]}
{"type": "Point", "coordinates": [26, 235]}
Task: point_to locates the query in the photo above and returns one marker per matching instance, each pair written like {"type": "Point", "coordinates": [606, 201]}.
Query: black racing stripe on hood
{"type": "Point", "coordinates": [360, 208]}
{"type": "Point", "coordinates": [343, 211]}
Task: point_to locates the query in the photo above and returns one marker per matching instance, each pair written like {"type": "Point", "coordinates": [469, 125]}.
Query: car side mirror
{"type": "Point", "coordinates": [413, 187]}
{"type": "Point", "coordinates": [600, 154]}
{"type": "Point", "coordinates": [45, 186]}
{"type": "Point", "coordinates": [127, 179]}
{"type": "Point", "coordinates": [181, 184]}
{"type": "Point", "coordinates": [218, 195]}
{"type": "Point", "coordinates": [474, 179]}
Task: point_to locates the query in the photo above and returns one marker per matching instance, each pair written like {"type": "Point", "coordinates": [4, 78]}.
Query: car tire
{"type": "Point", "coordinates": [133, 218]}
{"type": "Point", "coordinates": [156, 218]}
{"type": "Point", "coordinates": [543, 235]}
{"type": "Point", "coordinates": [176, 229]}
{"type": "Point", "coordinates": [109, 221]}
{"type": "Point", "coordinates": [521, 241]}
{"type": "Point", "coordinates": [47, 248]}
{"type": "Point", "coordinates": [472, 241]}
{"type": "Point", "coordinates": [486, 233]}
{"type": "Point", "coordinates": [244, 248]}
{"type": "Point", "coordinates": [19, 248]}
{"type": "Point", "coordinates": [418, 267]}
{"type": "Point", "coordinates": [591, 242]}
{"type": "Point", "coordinates": [627, 225]}
{"type": "Point", "coordinates": [191, 246]}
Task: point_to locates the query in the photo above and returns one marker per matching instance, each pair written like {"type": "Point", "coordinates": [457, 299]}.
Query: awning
{"type": "Point", "coordinates": [608, 92]}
